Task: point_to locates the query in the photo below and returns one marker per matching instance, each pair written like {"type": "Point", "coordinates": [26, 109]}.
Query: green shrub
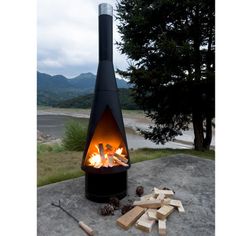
{"type": "Point", "coordinates": [75, 136]}
{"type": "Point", "coordinates": [45, 148]}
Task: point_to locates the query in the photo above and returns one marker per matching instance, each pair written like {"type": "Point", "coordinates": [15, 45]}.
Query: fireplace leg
{"type": "Point", "coordinates": [101, 187]}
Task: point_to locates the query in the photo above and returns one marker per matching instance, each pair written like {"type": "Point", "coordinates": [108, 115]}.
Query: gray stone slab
{"type": "Point", "coordinates": [192, 178]}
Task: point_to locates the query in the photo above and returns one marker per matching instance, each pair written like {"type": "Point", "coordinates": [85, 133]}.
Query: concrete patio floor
{"type": "Point", "coordinates": [192, 178]}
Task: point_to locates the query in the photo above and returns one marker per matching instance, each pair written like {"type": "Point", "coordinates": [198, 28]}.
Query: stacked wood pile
{"type": "Point", "coordinates": [151, 209]}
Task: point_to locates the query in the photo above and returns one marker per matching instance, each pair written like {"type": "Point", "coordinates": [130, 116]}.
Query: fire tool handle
{"type": "Point", "coordinates": [86, 228]}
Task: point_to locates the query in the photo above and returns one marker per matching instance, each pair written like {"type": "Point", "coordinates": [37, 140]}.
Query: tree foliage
{"type": "Point", "coordinates": [171, 48]}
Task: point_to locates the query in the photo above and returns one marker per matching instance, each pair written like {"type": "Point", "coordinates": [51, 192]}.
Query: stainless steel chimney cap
{"type": "Point", "coordinates": [105, 9]}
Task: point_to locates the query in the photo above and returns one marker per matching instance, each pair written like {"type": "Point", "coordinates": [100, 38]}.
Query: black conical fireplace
{"type": "Point", "coordinates": [106, 156]}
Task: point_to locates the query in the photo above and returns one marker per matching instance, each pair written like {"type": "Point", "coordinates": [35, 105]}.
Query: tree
{"type": "Point", "coordinates": [171, 48]}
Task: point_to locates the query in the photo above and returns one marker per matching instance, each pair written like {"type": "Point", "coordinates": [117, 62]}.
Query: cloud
{"type": "Point", "coordinates": [68, 37]}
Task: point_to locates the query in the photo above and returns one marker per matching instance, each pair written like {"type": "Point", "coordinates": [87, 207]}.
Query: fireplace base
{"type": "Point", "coordinates": [101, 187]}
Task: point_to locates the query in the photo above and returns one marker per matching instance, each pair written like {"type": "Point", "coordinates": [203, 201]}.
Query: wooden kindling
{"type": "Point", "coordinates": [101, 151]}
{"type": "Point", "coordinates": [162, 227]}
{"type": "Point", "coordinates": [130, 217]}
{"type": "Point", "coordinates": [148, 203]}
{"type": "Point", "coordinates": [121, 158]}
{"type": "Point", "coordinates": [144, 223]}
{"type": "Point", "coordinates": [164, 212]}
{"type": "Point", "coordinates": [119, 162]}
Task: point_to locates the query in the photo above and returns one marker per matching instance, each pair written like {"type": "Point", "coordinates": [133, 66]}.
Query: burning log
{"type": "Point", "coordinates": [109, 147]}
{"type": "Point", "coordinates": [119, 162]}
{"type": "Point", "coordinates": [117, 155]}
{"type": "Point", "coordinates": [120, 157]}
{"type": "Point", "coordinates": [101, 151]}
{"type": "Point", "coordinates": [110, 161]}
{"type": "Point", "coordinates": [105, 162]}
{"type": "Point", "coordinates": [108, 157]}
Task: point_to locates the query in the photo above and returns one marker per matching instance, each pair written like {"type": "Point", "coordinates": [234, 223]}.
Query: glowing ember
{"type": "Point", "coordinates": [108, 157]}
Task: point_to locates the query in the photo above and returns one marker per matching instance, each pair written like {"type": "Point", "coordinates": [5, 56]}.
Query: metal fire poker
{"type": "Point", "coordinates": [82, 225]}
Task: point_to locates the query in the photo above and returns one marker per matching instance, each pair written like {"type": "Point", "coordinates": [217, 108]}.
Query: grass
{"type": "Point", "coordinates": [56, 164]}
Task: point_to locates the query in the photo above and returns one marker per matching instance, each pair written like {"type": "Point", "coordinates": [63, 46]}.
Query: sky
{"type": "Point", "coordinates": [67, 37]}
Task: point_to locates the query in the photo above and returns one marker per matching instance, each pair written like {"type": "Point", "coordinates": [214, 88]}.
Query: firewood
{"type": "Point", "coordinates": [164, 212]}
{"type": "Point", "coordinates": [148, 203]}
{"type": "Point", "coordinates": [105, 162]}
{"type": "Point", "coordinates": [162, 227]}
{"type": "Point", "coordinates": [119, 162]}
{"type": "Point", "coordinates": [109, 147]}
{"type": "Point", "coordinates": [101, 151]}
{"type": "Point", "coordinates": [121, 158]}
{"type": "Point", "coordinates": [144, 223]}
{"type": "Point", "coordinates": [168, 193]}
{"type": "Point", "coordinates": [152, 214]}
{"type": "Point", "coordinates": [130, 217]}
{"type": "Point", "coordinates": [98, 165]}
{"type": "Point", "coordinates": [166, 201]}
{"type": "Point", "coordinates": [175, 203]}
{"type": "Point", "coordinates": [161, 197]}
{"type": "Point", "coordinates": [110, 161]}
{"type": "Point", "coordinates": [147, 197]}
{"type": "Point", "coordinates": [181, 208]}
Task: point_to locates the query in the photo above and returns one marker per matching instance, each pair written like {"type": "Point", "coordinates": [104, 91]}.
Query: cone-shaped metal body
{"type": "Point", "coordinates": [106, 123]}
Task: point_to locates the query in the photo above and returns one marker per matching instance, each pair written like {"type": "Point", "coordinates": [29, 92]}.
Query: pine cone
{"type": "Point", "coordinates": [139, 191]}
{"type": "Point", "coordinates": [107, 210]}
{"type": "Point", "coordinates": [115, 202]}
{"type": "Point", "coordinates": [126, 208]}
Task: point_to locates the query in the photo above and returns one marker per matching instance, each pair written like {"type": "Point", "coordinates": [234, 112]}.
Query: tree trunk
{"type": "Point", "coordinates": [208, 138]}
{"type": "Point", "coordinates": [198, 131]}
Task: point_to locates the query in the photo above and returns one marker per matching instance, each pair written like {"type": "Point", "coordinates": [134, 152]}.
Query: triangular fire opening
{"type": "Point", "coordinates": [107, 147]}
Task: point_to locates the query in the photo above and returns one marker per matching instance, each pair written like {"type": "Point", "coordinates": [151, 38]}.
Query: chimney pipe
{"type": "Point", "coordinates": [105, 32]}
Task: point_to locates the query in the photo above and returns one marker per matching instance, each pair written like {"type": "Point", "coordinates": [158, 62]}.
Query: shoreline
{"type": "Point", "coordinates": [133, 119]}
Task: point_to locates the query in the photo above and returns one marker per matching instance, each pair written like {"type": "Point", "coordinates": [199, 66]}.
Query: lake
{"type": "Point", "coordinates": [54, 125]}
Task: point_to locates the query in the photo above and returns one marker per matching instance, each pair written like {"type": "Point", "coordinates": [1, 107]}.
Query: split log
{"type": "Point", "coordinates": [168, 193]}
{"type": "Point", "coordinates": [175, 203]}
{"type": "Point", "coordinates": [101, 151]}
{"type": "Point", "coordinates": [147, 197]}
{"type": "Point", "coordinates": [148, 203]}
{"type": "Point", "coordinates": [120, 162]}
{"type": "Point", "coordinates": [144, 223]}
{"type": "Point", "coordinates": [161, 197]}
{"type": "Point", "coordinates": [121, 158]}
{"type": "Point", "coordinates": [164, 212]}
{"type": "Point", "coordinates": [130, 217]}
{"type": "Point", "coordinates": [110, 161]}
{"type": "Point", "coordinates": [181, 208]}
{"type": "Point", "coordinates": [166, 201]}
{"type": "Point", "coordinates": [152, 214]}
{"type": "Point", "coordinates": [162, 227]}
{"type": "Point", "coordinates": [109, 147]}
{"type": "Point", "coordinates": [105, 162]}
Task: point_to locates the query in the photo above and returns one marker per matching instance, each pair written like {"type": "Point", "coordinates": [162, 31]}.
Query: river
{"type": "Point", "coordinates": [54, 125]}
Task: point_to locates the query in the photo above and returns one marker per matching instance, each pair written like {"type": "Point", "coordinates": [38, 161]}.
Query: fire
{"type": "Point", "coordinates": [95, 159]}
{"type": "Point", "coordinates": [107, 157]}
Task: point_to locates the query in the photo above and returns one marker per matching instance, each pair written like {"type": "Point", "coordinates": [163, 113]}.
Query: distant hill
{"type": "Point", "coordinates": [85, 101]}
{"type": "Point", "coordinates": [57, 88]}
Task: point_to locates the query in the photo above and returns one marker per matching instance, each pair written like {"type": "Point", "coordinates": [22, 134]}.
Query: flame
{"type": "Point", "coordinates": [108, 159]}
{"type": "Point", "coordinates": [119, 151]}
{"type": "Point", "coordinates": [95, 159]}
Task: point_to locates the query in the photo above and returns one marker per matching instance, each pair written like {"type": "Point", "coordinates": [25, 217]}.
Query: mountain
{"type": "Point", "coordinates": [54, 89]}
{"type": "Point", "coordinates": [85, 101]}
